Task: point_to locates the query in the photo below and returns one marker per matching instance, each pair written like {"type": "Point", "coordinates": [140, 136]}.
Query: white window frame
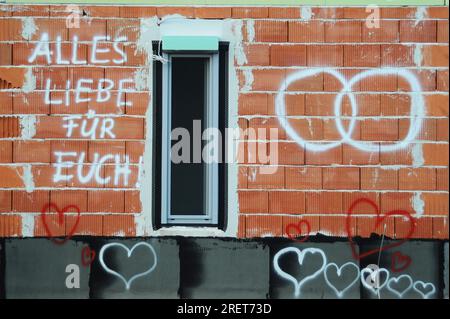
{"type": "Point", "coordinates": [211, 189]}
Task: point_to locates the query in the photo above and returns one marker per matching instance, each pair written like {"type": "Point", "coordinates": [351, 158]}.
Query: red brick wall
{"type": "Point", "coordinates": [318, 187]}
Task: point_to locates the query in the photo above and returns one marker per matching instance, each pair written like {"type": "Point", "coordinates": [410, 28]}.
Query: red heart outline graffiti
{"type": "Point", "coordinates": [398, 257]}
{"type": "Point", "coordinates": [379, 220]}
{"type": "Point", "coordinates": [60, 216]}
{"type": "Point", "coordinates": [298, 228]}
{"type": "Point", "coordinates": [87, 256]}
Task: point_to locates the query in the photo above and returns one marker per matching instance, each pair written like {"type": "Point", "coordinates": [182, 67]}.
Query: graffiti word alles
{"type": "Point", "coordinates": [129, 251]}
{"type": "Point", "coordinates": [100, 54]}
{"type": "Point", "coordinates": [367, 276]}
{"type": "Point", "coordinates": [88, 126]}
{"type": "Point", "coordinates": [94, 171]}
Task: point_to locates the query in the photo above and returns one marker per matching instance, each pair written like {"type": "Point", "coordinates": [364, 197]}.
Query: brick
{"type": "Point", "coordinates": [398, 12]}
{"type": "Point", "coordinates": [24, 202]}
{"type": "Point", "coordinates": [259, 180]}
{"type": "Point", "coordinates": [241, 226]}
{"type": "Point", "coordinates": [12, 78]}
{"type": "Point", "coordinates": [30, 103]}
{"type": "Point", "coordinates": [10, 225]}
{"type": "Point", "coordinates": [333, 226]}
{"type": "Point", "coordinates": [357, 13]}
{"type": "Point", "coordinates": [442, 80]}
{"type": "Point", "coordinates": [31, 11]}
{"type": "Point", "coordinates": [333, 84]}
{"type": "Point", "coordinates": [288, 55]}
{"type": "Point", "coordinates": [309, 130]}
{"type": "Point", "coordinates": [64, 198]}
{"type": "Point", "coordinates": [379, 130]}
{"type": "Point", "coordinates": [11, 177]}
{"type": "Point", "coordinates": [67, 146]}
{"type": "Point", "coordinates": [324, 203]}
{"type": "Point", "coordinates": [284, 13]}
{"type": "Point", "coordinates": [52, 127]}
{"type": "Point", "coordinates": [287, 202]}
{"type": "Point", "coordinates": [106, 201]}
{"type": "Point", "coordinates": [267, 79]}
{"type": "Point", "coordinates": [133, 202]}
{"type": "Point", "coordinates": [397, 55]}
{"type": "Point", "coordinates": [319, 104]}
{"type": "Point", "coordinates": [313, 83]}
{"type": "Point", "coordinates": [58, 76]}
{"type": "Point", "coordinates": [340, 178]}
{"type": "Point", "coordinates": [6, 152]}
{"type": "Point", "coordinates": [426, 78]}
{"type": "Point", "coordinates": [242, 177]}
{"type": "Point", "coordinates": [306, 32]}
{"type": "Point", "coordinates": [442, 179]}
{"type": "Point", "coordinates": [129, 128]}
{"type": "Point", "coordinates": [252, 104]}
{"type": "Point", "coordinates": [440, 228]}
{"type": "Point", "coordinates": [437, 12]}
{"type": "Point", "coordinates": [325, 55]}
{"type": "Point", "coordinates": [263, 226]}
{"type": "Point", "coordinates": [327, 13]}
{"type": "Point", "coordinates": [253, 202]}
{"type": "Point", "coordinates": [435, 55]}
{"type": "Point", "coordinates": [256, 54]}
{"type": "Point", "coordinates": [442, 31]}
{"type": "Point", "coordinates": [140, 102]}
{"type": "Point", "coordinates": [88, 28]}
{"type": "Point", "coordinates": [88, 225]}
{"type": "Point", "coordinates": [436, 104]}
{"type": "Point", "coordinates": [435, 203]}
{"type": "Point", "coordinates": [119, 225]}
{"type": "Point", "coordinates": [374, 178]}
{"type": "Point", "coordinates": [395, 104]}
{"type": "Point", "coordinates": [103, 11]}
{"type": "Point", "coordinates": [5, 54]}
{"type": "Point", "coordinates": [387, 32]}
{"type": "Point", "coordinates": [56, 226]}
{"type": "Point", "coordinates": [363, 207]}
{"type": "Point", "coordinates": [294, 104]}
{"type": "Point", "coordinates": [391, 201]}
{"type": "Point", "coordinates": [331, 156]}
{"type": "Point", "coordinates": [427, 131]}
{"type": "Point", "coordinates": [104, 108]}
{"type": "Point", "coordinates": [303, 178]}
{"type": "Point", "coordinates": [128, 28]}
{"type": "Point", "coordinates": [250, 12]}
{"type": "Point", "coordinates": [354, 156]}
{"type": "Point", "coordinates": [9, 127]}
{"type": "Point", "coordinates": [31, 151]}
{"type": "Point", "coordinates": [398, 157]}
{"type": "Point", "coordinates": [54, 28]}
{"type": "Point", "coordinates": [423, 229]}
{"type": "Point", "coordinates": [379, 83]}
{"type": "Point", "coordinates": [213, 12]}
{"type": "Point", "coordinates": [366, 227]}
{"type": "Point", "coordinates": [121, 182]}
{"type": "Point", "coordinates": [343, 31]}
{"type": "Point", "coordinates": [5, 201]}
{"type": "Point", "coordinates": [134, 150]}
{"type": "Point", "coordinates": [43, 176]}
{"type": "Point", "coordinates": [6, 104]}
{"type": "Point", "coordinates": [331, 133]}
{"type": "Point", "coordinates": [84, 170]}
{"type": "Point", "coordinates": [134, 56]}
{"type": "Point", "coordinates": [103, 148]}
{"type": "Point", "coordinates": [271, 31]}
{"type": "Point", "coordinates": [137, 12]}
{"type": "Point", "coordinates": [290, 154]}
{"type": "Point", "coordinates": [368, 105]}
{"type": "Point", "coordinates": [418, 31]}
{"type": "Point", "coordinates": [187, 12]}
{"type": "Point", "coordinates": [362, 55]}
{"type": "Point", "coordinates": [313, 221]}
{"type": "Point", "coordinates": [11, 30]}
{"type": "Point", "coordinates": [435, 154]}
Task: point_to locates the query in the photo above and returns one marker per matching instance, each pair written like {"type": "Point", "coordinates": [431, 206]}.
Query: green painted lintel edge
{"type": "Point", "coordinates": [241, 2]}
{"type": "Point", "coordinates": [190, 43]}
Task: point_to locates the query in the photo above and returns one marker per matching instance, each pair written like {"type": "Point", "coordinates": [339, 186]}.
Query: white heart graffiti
{"type": "Point", "coordinates": [301, 255]}
{"type": "Point", "coordinates": [374, 273]}
{"type": "Point", "coordinates": [129, 252]}
{"type": "Point", "coordinates": [424, 285]}
{"type": "Point", "coordinates": [340, 293]}
{"type": "Point", "coordinates": [416, 114]}
{"type": "Point", "coordinates": [396, 280]}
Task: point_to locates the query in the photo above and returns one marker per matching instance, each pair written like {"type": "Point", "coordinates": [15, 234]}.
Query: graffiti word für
{"type": "Point", "coordinates": [88, 126]}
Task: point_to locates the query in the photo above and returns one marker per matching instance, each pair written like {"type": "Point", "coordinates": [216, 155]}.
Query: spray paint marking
{"type": "Point", "coordinates": [298, 230]}
{"type": "Point", "coordinates": [399, 262]}
{"type": "Point", "coordinates": [416, 114]}
{"type": "Point", "coordinates": [60, 215]}
{"type": "Point", "coordinates": [129, 253]}
{"type": "Point", "coordinates": [87, 256]}
{"type": "Point", "coordinates": [379, 221]}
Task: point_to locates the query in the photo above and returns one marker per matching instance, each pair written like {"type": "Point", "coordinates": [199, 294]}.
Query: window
{"type": "Point", "coordinates": [190, 104]}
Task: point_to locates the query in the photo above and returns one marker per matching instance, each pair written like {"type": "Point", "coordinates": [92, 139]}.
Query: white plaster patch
{"type": "Point", "coordinates": [248, 80]}
{"type": "Point", "coordinates": [418, 204]}
{"type": "Point", "coordinates": [306, 13]}
{"type": "Point", "coordinates": [241, 58]}
{"type": "Point", "coordinates": [28, 225]}
{"type": "Point", "coordinates": [27, 126]}
{"type": "Point", "coordinates": [251, 30]}
{"type": "Point", "coordinates": [29, 28]}
{"type": "Point", "coordinates": [142, 79]}
{"type": "Point", "coordinates": [30, 81]}
{"type": "Point", "coordinates": [27, 178]}
{"type": "Point", "coordinates": [421, 13]}
{"type": "Point", "coordinates": [417, 155]}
